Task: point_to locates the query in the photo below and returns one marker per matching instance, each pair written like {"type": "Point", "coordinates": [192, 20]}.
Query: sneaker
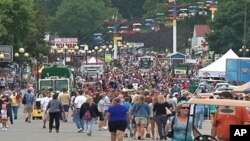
{"type": "Point", "coordinates": [125, 135]}
{"type": "Point", "coordinates": [26, 120]}
{"type": "Point", "coordinates": [139, 137]}
{"type": "Point", "coordinates": [5, 129]}
{"type": "Point", "coordinates": [147, 135]}
{"type": "Point", "coordinates": [57, 131]}
{"type": "Point", "coordinates": [2, 129]}
{"type": "Point", "coordinates": [105, 128]}
{"type": "Point", "coordinates": [131, 135]}
{"type": "Point", "coordinates": [79, 130]}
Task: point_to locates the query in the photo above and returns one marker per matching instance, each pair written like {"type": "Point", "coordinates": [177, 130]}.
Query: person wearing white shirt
{"type": "Point", "coordinates": [135, 85]}
{"type": "Point", "coordinates": [101, 108]}
{"type": "Point", "coordinates": [79, 100]}
{"type": "Point", "coordinates": [44, 102]}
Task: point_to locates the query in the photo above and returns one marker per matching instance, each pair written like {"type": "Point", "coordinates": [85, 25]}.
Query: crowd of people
{"type": "Point", "coordinates": [127, 102]}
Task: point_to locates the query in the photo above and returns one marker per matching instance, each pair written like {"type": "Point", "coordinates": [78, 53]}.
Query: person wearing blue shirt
{"type": "Point", "coordinates": [128, 106]}
{"type": "Point", "coordinates": [199, 115]}
{"type": "Point", "coordinates": [180, 122]}
{"type": "Point", "coordinates": [141, 112]}
{"type": "Point", "coordinates": [117, 115]}
{"type": "Point", "coordinates": [28, 106]}
{"type": "Point", "coordinates": [212, 110]}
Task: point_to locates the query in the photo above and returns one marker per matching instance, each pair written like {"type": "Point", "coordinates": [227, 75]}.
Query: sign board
{"type": "Point", "coordinates": [117, 38]}
{"type": "Point", "coordinates": [180, 72]}
{"type": "Point", "coordinates": [7, 50]}
{"type": "Point", "coordinates": [180, 69]}
{"type": "Point", "coordinates": [108, 58]}
{"type": "Point", "coordinates": [138, 44]}
{"type": "Point", "coordinates": [191, 61]}
{"type": "Point", "coordinates": [66, 40]}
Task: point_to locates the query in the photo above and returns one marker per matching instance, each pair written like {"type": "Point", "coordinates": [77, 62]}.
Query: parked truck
{"type": "Point", "coordinates": [238, 70]}
{"type": "Point", "coordinates": [56, 77]}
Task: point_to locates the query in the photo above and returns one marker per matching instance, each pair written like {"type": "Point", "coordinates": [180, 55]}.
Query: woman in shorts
{"type": "Point", "coordinates": [212, 110]}
{"type": "Point", "coordinates": [117, 119]}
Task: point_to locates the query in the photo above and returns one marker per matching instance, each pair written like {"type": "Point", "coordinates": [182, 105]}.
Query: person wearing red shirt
{"type": "Point", "coordinates": [222, 119]}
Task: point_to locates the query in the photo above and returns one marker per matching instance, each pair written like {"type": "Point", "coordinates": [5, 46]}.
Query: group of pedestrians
{"type": "Point", "coordinates": [9, 105]}
{"type": "Point", "coordinates": [141, 112]}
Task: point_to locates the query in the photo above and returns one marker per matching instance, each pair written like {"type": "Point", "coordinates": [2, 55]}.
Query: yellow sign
{"type": "Point", "coordinates": [117, 38]}
{"type": "Point", "coordinates": [108, 58]}
{"type": "Point", "coordinates": [174, 22]}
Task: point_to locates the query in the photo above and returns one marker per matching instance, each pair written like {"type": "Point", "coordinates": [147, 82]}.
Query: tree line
{"type": "Point", "coordinates": [24, 23]}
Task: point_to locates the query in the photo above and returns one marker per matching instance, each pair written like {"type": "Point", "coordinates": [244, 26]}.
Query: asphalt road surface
{"type": "Point", "coordinates": [22, 131]}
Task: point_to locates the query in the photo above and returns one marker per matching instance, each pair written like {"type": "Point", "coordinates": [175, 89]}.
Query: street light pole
{"type": "Point", "coordinates": [86, 48]}
{"type": "Point", "coordinates": [119, 45]}
{"type": "Point", "coordinates": [189, 45]}
{"type": "Point", "coordinates": [65, 48]}
{"type": "Point", "coordinates": [1, 57]}
{"type": "Point", "coordinates": [244, 48]}
{"type": "Point", "coordinates": [1, 60]}
{"type": "Point", "coordinates": [104, 52]}
{"type": "Point", "coordinates": [96, 51]}
{"type": "Point", "coordinates": [245, 25]}
{"type": "Point", "coordinates": [26, 55]}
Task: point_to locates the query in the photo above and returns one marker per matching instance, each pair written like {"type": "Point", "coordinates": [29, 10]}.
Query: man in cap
{"type": "Point", "coordinates": [222, 119]}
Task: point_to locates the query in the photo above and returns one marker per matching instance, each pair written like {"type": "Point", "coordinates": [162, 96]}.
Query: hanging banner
{"type": "Point", "coordinates": [108, 58]}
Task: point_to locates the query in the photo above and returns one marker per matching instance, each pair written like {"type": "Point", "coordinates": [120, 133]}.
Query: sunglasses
{"type": "Point", "coordinates": [185, 108]}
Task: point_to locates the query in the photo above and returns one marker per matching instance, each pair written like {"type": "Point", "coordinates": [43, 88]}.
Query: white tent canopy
{"type": "Point", "coordinates": [218, 68]}
{"type": "Point", "coordinates": [92, 60]}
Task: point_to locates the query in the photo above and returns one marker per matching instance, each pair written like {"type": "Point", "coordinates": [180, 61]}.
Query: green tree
{"type": "Point", "coordinates": [130, 8]}
{"type": "Point", "coordinates": [151, 8]}
{"type": "Point", "coordinates": [228, 26]}
{"type": "Point", "coordinates": [20, 24]}
{"type": "Point", "coordinates": [81, 18]}
{"type": "Point", "coordinates": [49, 6]}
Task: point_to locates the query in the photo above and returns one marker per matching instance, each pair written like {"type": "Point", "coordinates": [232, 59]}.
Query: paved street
{"type": "Point", "coordinates": [21, 131]}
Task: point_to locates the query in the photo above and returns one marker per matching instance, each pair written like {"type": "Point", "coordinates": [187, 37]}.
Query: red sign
{"type": "Point", "coordinates": [204, 43]}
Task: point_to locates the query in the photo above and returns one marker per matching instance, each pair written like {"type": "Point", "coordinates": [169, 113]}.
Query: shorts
{"type": "Point", "coordinates": [128, 124]}
{"type": "Point", "coordinates": [46, 116]}
{"type": "Point", "coordinates": [101, 116]}
{"type": "Point", "coordinates": [120, 125]}
{"type": "Point", "coordinates": [212, 112]}
{"type": "Point", "coordinates": [141, 120]}
{"type": "Point", "coordinates": [28, 108]}
{"type": "Point", "coordinates": [66, 108]}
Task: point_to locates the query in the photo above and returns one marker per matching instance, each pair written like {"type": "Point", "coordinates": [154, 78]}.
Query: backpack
{"type": "Point", "coordinates": [24, 100]}
{"type": "Point", "coordinates": [87, 115]}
